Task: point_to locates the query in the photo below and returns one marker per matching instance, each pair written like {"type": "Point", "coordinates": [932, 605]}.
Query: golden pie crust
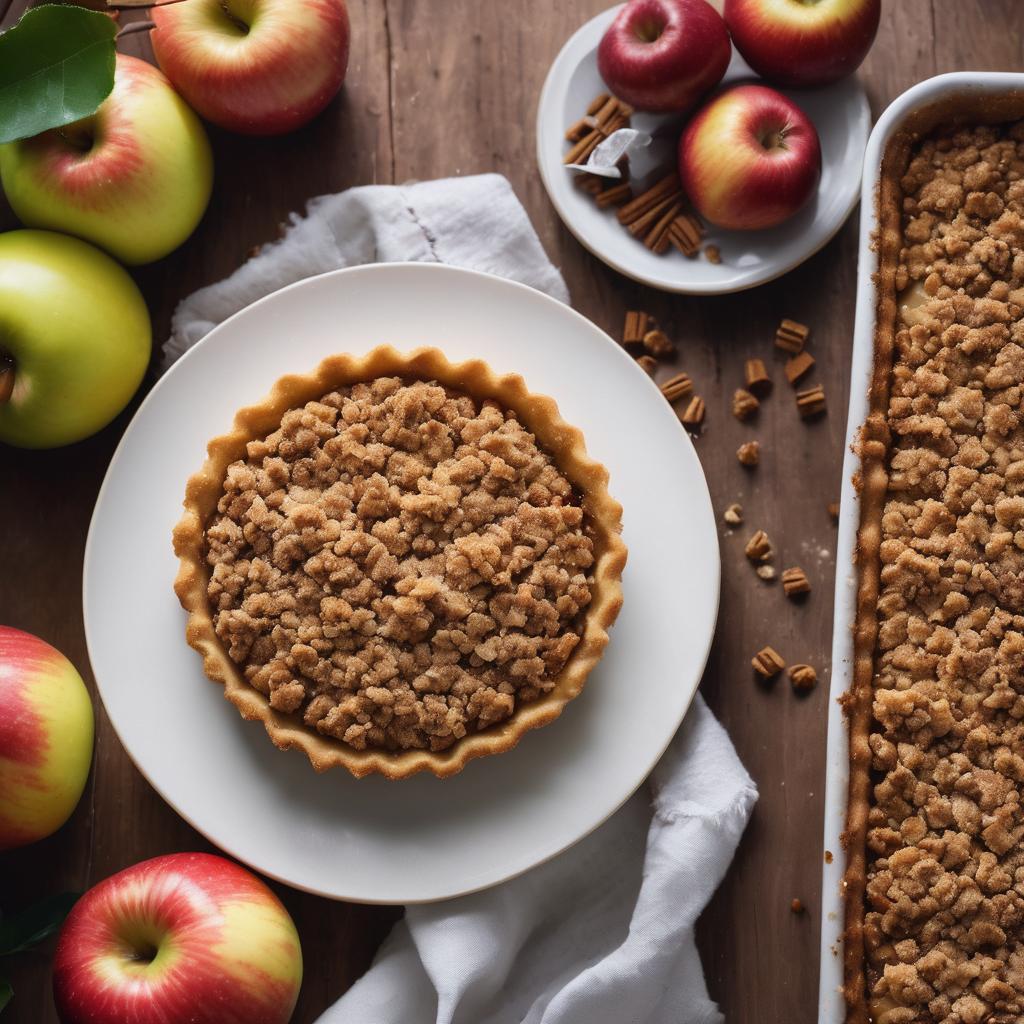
{"type": "Point", "coordinates": [932, 933]}
{"type": "Point", "coordinates": [564, 445]}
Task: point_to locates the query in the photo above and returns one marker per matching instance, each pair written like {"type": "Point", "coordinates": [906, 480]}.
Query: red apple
{"type": "Point", "coordinates": [750, 158]}
{"type": "Point", "coordinates": [46, 729]}
{"type": "Point", "coordinates": [663, 55]}
{"type": "Point", "coordinates": [184, 939]}
{"type": "Point", "coordinates": [261, 67]}
{"type": "Point", "coordinates": [803, 43]}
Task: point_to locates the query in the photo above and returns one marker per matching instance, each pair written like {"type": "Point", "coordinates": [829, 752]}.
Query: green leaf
{"type": "Point", "coordinates": [56, 66]}
{"type": "Point", "coordinates": [34, 924]}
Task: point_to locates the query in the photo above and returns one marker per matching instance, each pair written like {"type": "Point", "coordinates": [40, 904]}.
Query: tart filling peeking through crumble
{"type": "Point", "coordinates": [399, 564]}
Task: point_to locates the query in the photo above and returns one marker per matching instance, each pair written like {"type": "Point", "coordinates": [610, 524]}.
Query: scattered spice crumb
{"type": "Point", "coordinates": [636, 326]}
{"type": "Point", "coordinates": [811, 402]}
{"type": "Point", "coordinates": [749, 453]}
{"type": "Point", "coordinates": [648, 364]}
{"type": "Point", "coordinates": [795, 582]}
{"type": "Point", "coordinates": [791, 336]}
{"type": "Point", "coordinates": [733, 515]}
{"type": "Point", "coordinates": [756, 374]}
{"type": "Point", "coordinates": [744, 404]}
{"type": "Point", "coordinates": [658, 344]}
{"type": "Point", "coordinates": [766, 572]}
{"type": "Point", "coordinates": [799, 366]}
{"type": "Point", "coordinates": [759, 547]}
{"type": "Point", "coordinates": [796, 905]}
{"type": "Point", "coordinates": [694, 414]}
{"type": "Point", "coordinates": [713, 254]}
{"type": "Point", "coordinates": [833, 510]}
{"type": "Point", "coordinates": [803, 678]}
{"type": "Point", "coordinates": [677, 387]}
{"type": "Point", "coordinates": [768, 662]}
{"type": "Point", "coordinates": [828, 857]}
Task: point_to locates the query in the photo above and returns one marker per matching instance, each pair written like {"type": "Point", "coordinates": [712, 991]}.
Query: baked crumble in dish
{"type": "Point", "coordinates": [935, 877]}
{"type": "Point", "coordinates": [399, 564]}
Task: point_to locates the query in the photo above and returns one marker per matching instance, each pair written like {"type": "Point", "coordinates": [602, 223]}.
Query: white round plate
{"type": "Point", "coordinates": [419, 839]}
{"type": "Point", "coordinates": [840, 114]}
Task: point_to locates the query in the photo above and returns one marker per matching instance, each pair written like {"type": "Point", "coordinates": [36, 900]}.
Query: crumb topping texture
{"type": "Point", "coordinates": [400, 565]}
{"type": "Point", "coordinates": [944, 922]}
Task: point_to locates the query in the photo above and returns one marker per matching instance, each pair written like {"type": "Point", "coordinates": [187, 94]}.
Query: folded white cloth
{"type": "Point", "coordinates": [604, 933]}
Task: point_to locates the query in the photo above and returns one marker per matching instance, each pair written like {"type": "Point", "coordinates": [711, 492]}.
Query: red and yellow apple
{"type": "Point", "coordinates": [134, 178]}
{"type": "Point", "coordinates": [803, 43]}
{"type": "Point", "coordinates": [261, 67]}
{"type": "Point", "coordinates": [189, 938]}
{"type": "Point", "coordinates": [663, 55]}
{"type": "Point", "coordinates": [749, 159]}
{"type": "Point", "coordinates": [74, 339]}
{"type": "Point", "coordinates": [46, 733]}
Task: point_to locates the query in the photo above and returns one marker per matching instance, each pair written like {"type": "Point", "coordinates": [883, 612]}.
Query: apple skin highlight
{"type": "Point", "coordinates": [189, 938]}
{"type": "Point", "coordinates": [750, 159]}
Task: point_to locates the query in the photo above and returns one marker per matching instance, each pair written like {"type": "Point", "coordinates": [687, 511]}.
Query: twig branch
{"type": "Point", "coordinates": [134, 27]}
{"type": "Point", "coordinates": [139, 5]}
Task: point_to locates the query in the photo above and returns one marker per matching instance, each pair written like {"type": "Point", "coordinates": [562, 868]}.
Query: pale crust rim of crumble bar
{"type": "Point", "coordinates": [540, 415]}
{"type": "Point", "coordinates": [873, 446]}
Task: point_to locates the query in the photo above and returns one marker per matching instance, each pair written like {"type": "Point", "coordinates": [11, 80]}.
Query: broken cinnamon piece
{"type": "Point", "coordinates": [648, 364]}
{"type": "Point", "coordinates": [833, 509]}
{"type": "Point", "coordinates": [811, 402]}
{"type": "Point", "coordinates": [694, 415]}
{"type": "Point", "coordinates": [791, 336]}
{"type": "Point", "coordinates": [749, 453]}
{"type": "Point", "coordinates": [795, 582]}
{"type": "Point", "coordinates": [733, 515]}
{"type": "Point", "coordinates": [658, 344]}
{"type": "Point", "coordinates": [657, 238]}
{"type": "Point", "coordinates": [677, 387]}
{"type": "Point", "coordinates": [636, 326]}
{"type": "Point", "coordinates": [766, 573]}
{"type": "Point", "coordinates": [668, 186]}
{"type": "Point", "coordinates": [798, 366]}
{"type": "Point", "coordinates": [582, 127]}
{"type": "Point", "coordinates": [608, 110]}
{"type": "Point", "coordinates": [744, 404]}
{"type": "Point", "coordinates": [582, 150]}
{"type": "Point", "coordinates": [758, 381]}
{"type": "Point", "coordinates": [641, 225]}
{"type": "Point", "coordinates": [686, 233]}
{"type": "Point", "coordinates": [796, 905]}
{"type": "Point", "coordinates": [592, 184]}
{"type": "Point", "coordinates": [803, 678]}
{"type": "Point", "coordinates": [713, 254]}
{"type": "Point", "coordinates": [759, 547]}
{"type": "Point", "coordinates": [768, 662]}
{"type": "Point", "coordinates": [614, 196]}
{"type": "Point", "coordinates": [597, 103]}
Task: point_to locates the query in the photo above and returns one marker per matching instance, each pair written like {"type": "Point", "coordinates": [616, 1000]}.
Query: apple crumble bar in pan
{"type": "Point", "coordinates": [934, 879]}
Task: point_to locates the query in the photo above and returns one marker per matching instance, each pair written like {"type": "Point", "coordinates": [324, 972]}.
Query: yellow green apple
{"type": "Point", "coordinates": [134, 178]}
{"type": "Point", "coordinates": [188, 937]}
{"type": "Point", "coordinates": [46, 732]}
{"type": "Point", "coordinates": [74, 339]}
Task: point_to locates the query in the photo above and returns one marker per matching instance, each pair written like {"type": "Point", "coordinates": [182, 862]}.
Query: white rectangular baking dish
{"type": "Point", "coordinates": [969, 84]}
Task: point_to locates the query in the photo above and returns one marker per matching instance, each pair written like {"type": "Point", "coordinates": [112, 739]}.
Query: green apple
{"type": "Point", "coordinates": [134, 178]}
{"type": "Point", "coordinates": [74, 339]}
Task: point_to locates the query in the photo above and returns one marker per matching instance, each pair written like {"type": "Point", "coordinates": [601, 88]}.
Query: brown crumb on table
{"type": "Point", "coordinates": [677, 387]}
{"type": "Point", "coordinates": [799, 366]}
{"type": "Point", "coordinates": [766, 573]}
{"type": "Point", "coordinates": [712, 254]}
{"type": "Point", "coordinates": [756, 374]}
{"type": "Point", "coordinates": [749, 453]}
{"type": "Point", "coordinates": [733, 515]}
{"type": "Point", "coordinates": [811, 402]}
{"type": "Point", "coordinates": [658, 344]}
{"type": "Point", "coordinates": [694, 414]}
{"type": "Point", "coordinates": [795, 582]}
{"type": "Point", "coordinates": [636, 326]}
{"type": "Point", "coordinates": [759, 547]}
{"type": "Point", "coordinates": [399, 564]}
{"type": "Point", "coordinates": [768, 662]}
{"type": "Point", "coordinates": [833, 509]}
{"type": "Point", "coordinates": [803, 678]}
{"type": "Point", "coordinates": [796, 905]}
{"type": "Point", "coordinates": [648, 364]}
{"type": "Point", "coordinates": [828, 857]}
{"type": "Point", "coordinates": [791, 336]}
{"type": "Point", "coordinates": [744, 404]}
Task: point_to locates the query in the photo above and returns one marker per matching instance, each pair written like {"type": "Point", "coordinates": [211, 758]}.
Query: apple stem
{"type": "Point", "coordinates": [134, 27]}
{"type": "Point", "coordinates": [6, 382]}
{"type": "Point", "coordinates": [142, 5]}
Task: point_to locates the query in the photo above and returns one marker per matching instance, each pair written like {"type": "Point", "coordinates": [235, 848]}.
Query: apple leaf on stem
{"type": "Point", "coordinates": [35, 924]}
{"type": "Point", "coordinates": [56, 67]}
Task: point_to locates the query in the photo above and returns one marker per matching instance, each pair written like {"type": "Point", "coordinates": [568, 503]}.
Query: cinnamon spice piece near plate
{"type": "Point", "coordinates": [795, 582]}
{"type": "Point", "coordinates": [636, 326]}
{"type": "Point", "coordinates": [677, 387]}
{"type": "Point", "coordinates": [641, 225]}
{"type": "Point", "coordinates": [811, 402]}
{"type": "Point", "coordinates": [799, 366]}
{"type": "Point", "coordinates": [749, 453]}
{"type": "Point", "coordinates": [658, 344]}
{"type": "Point", "coordinates": [713, 254]}
{"type": "Point", "coordinates": [614, 196]}
{"type": "Point", "coordinates": [733, 515]}
{"type": "Point", "coordinates": [791, 336]}
{"type": "Point", "coordinates": [694, 414]}
{"type": "Point", "coordinates": [582, 150]}
{"type": "Point", "coordinates": [584, 126]}
{"type": "Point", "coordinates": [686, 233]}
{"type": "Point", "coordinates": [759, 547]}
{"type": "Point", "coordinates": [744, 404]}
{"type": "Point", "coordinates": [645, 201]}
{"type": "Point", "coordinates": [592, 184]}
{"type": "Point", "coordinates": [657, 238]}
{"type": "Point", "coordinates": [648, 364]}
{"type": "Point", "coordinates": [597, 103]}
{"type": "Point", "coordinates": [756, 374]}
{"type": "Point", "coordinates": [768, 662]}
{"type": "Point", "coordinates": [803, 678]}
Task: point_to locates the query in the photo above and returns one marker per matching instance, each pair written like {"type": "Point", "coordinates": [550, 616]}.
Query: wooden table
{"type": "Point", "coordinates": [442, 87]}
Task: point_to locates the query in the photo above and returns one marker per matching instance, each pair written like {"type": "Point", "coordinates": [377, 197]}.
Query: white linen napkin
{"type": "Point", "coordinates": [603, 933]}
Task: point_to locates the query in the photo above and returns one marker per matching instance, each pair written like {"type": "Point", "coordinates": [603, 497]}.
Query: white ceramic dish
{"type": "Point", "coordinates": [831, 1006]}
{"type": "Point", "coordinates": [840, 113]}
{"type": "Point", "coordinates": [420, 839]}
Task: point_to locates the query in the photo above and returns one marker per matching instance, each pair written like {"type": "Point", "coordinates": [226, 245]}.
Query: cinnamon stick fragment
{"type": "Point", "coordinates": [636, 326]}
{"type": "Point", "coordinates": [694, 415]}
{"type": "Point", "coordinates": [664, 189]}
{"type": "Point", "coordinates": [758, 381]}
{"type": "Point", "coordinates": [811, 402]}
{"type": "Point", "coordinates": [799, 366]}
{"type": "Point", "coordinates": [791, 336]}
{"type": "Point", "coordinates": [686, 234]}
{"type": "Point", "coordinates": [614, 196]}
{"type": "Point", "coordinates": [677, 387]}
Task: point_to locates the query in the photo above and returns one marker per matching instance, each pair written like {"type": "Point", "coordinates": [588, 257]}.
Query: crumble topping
{"type": "Point", "coordinates": [945, 885]}
{"type": "Point", "coordinates": [399, 564]}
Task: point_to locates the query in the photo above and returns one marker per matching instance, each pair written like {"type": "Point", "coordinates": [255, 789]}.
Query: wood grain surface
{"type": "Point", "coordinates": [442, 87]}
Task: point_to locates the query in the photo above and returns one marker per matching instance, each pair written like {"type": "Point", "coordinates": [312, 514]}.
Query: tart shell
{"type": "Point", "coordinates": [539, 415]}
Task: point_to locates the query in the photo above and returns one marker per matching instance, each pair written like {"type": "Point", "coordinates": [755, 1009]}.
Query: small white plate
{"type": "Point", "coordinates": [419, 839]}
{"type": "Point", "coordinates": [840, 114]}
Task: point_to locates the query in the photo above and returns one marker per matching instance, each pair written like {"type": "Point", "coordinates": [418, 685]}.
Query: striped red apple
{"type": "Point", "coordinates": [188, 938]}
{"type": "Point", "coordinates": [749, 159]}
{"type": "Point", "coordinates": [46, 733]}
{"type": "Point", "coordinates": [261, 67]}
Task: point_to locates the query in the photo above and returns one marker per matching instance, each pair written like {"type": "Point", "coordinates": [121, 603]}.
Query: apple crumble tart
{"type": "Point", "coordinates": [398, 564]}
{"type": "Point", "coordinates": [935, 875]}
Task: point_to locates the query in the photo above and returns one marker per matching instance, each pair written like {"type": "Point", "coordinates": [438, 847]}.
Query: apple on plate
{"type": "Point", "coordinates": [749, 159]}
{"type": "Point", "coordinates": [803, 43]}
{"type": "Point", "coordinates": [74, 339]}
{"type": "Point", "coordinates": [46, 732]}
{"type": "Point", "coordinates": [261, 67]}
{"type": "Point", "coordinates": [134, 178]}
{"type": "Point", "coordinates": [188, 938]}
{"type": "Point", "coordinates": [663, 55]}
